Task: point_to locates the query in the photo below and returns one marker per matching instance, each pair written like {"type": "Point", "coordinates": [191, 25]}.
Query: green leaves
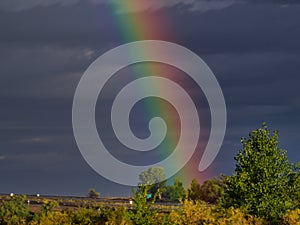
{"type": "Point", "coordinates": [212, 190]}
{"type": "Point", "coordinates": [155, 178]}
{"type": "Point", "coordinates": [194, 192]}
{"type": "Point", "coordinates": [264, 182]}
{"type": "Point", "coordinates": [14, 211]}
{"type": "Point", "coordinates": [48, 206]}
{"type": "Point", "coordinates": [93, 193]}
{"type": "Point", "coordinates": [142, 213]}
{"type": "Point", "coordinates": [175, 192]}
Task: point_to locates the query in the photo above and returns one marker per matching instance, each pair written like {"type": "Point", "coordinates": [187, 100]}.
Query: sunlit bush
{"type": "Point", "coordinates": [237, 216]}
{"type": "Point", "coordinates": [52, 218]}
{"type": "Point", "coordinates": [292, 217]}
{"type": "Point", "coordinates": [118, 216]}
{"type": "Point", "coordinates": [15, 211]}
{"type": "Point", "coordinates": [85, 216]}
{"type": "Point", "coordinates": [202, 213]}
{"type": "Point", "coordinates": [192, 213]}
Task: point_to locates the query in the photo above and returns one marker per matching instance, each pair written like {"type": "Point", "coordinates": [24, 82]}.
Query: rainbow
{"type": "Point", "coordinates": [143, 25]}
{"type": "Point", "coordinates": [149, 25]}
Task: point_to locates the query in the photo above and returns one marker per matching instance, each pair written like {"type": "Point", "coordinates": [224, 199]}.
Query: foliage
{"type": "Point", "coordinates": [48, 206]}
{"type": "Point", "coordinates": [190, 212]}
{"type": "Point", "coordinates": [264, 182]}
{"type": "Point", "coordinates": [52, 218]}
{"type": "Point", "coordinates": [175, 192]}
{"type": "Point", "coordinates": [14, 211]}
{"type": "Point", "coordinates": [154, 177]}
{"type": "Point", "coordinates": [212, 190]}
{"type": "Point", "coordinates": [194, 213]}
{"type": "Point", "coordinates": [93, 194]}
{"type": "Point", "coordinates": [118, 216]}
{"type": "Point", "coordinates": [84, 216]}
{"type": "Point", "coordinates": [237, 216]}
{"type": "Point", "coordinates": [194, 192]}
{"type": "Point", "coordinates": [142, 213]}
{"type": "Point", "coordinates": [295, 182]}
{"type": "Point", "coordinates": [292, 217]}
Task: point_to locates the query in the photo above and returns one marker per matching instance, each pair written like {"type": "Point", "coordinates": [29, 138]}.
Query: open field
{"type": "Point", "coordinates": [75, 202]}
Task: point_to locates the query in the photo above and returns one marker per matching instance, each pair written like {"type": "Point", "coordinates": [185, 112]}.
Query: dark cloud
{"type": "Point", "coordinates": [18, 5]}
{"type": "Point", "coordinates": [139, 5]}
{"type": "Point", "coordinates": [120, 7]}
{"type": "Point", "coordinates": [258, 29]}
{"type": "Point", "coordinates": [253, 47]}
{"type": "Point", "coordinates": [281, 2]}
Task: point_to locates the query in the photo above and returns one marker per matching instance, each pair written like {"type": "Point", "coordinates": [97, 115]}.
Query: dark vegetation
{"type": "Point", "coordinates": [93, 193]}
{"type": "Point", "coordinates": [264, 189]}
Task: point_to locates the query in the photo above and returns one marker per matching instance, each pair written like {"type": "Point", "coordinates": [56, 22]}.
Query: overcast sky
{"type": "Point", "coordinates": [252, 46]}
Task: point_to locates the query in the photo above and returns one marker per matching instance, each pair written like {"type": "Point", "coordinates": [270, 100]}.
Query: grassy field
{"type": "Point", "coordinates": [75, 202]}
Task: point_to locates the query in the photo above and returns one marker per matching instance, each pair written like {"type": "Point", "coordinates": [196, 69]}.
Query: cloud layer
{"type": "Point", "coordinates": [140, 5]}
{"type": "Point", "coordinates": [253, 48]}
{"type": "Point", "coordinates": [122, 6]}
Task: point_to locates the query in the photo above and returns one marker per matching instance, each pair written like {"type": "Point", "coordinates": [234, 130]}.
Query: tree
{"type": "Point", "coordinates": [142, 213]}
{"type": "Point", "coordinates": [212, 190]}
{"type": "Point", "coordinates": [155, 178]}
{"type": "Point", "coordinates": [194, 192]}
{"type": "Point", "coordinates": [176, 191]}
{"type": "Point", "coordinates": [93, 194]}
{"type": "Point", "coordinates": [264, 182]}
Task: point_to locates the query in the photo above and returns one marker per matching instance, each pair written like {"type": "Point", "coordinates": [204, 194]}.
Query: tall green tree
{"type": "Point", "coordinates": [155, 178]}
{"type": "Point", "coordinates": [265, 183]}
{"type": "Point", "coordinates": [194, 192]}
{"type": "Point", "coordinates": [176, 191]}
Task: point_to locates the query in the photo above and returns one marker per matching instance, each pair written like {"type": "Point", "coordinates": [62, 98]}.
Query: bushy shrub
{"type": "Point", "coordinates": [93, 193]}
{"type": "Point", "coordinates": [52, 218]}
{"type": "Point", "coordinates": [234, 216]}
{"type": "Point", "coordinates": [192, 213]}
{"type": "Point", "coordinates": [292, 217]}
{"type": "Point", "coordinates": [83, 216]}
{"type": "Point", "coordinates": [175, 192]}
{"type": "Point", "coordinates": [14, 211]}
{"type": "Point", "coordinates": [48, 206]}
{"type": "Point", "coordinates": [212, 190]}
{"type": "Point", "coordinates": [195, 213]}
{"type": "Point", "coordinates": [142, 214]}
{"type": "Point", "coordinates": [118, 216]}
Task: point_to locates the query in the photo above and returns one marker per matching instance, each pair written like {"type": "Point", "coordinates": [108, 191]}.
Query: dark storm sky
{"type": "Point", "coordinates": [252, 46]}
